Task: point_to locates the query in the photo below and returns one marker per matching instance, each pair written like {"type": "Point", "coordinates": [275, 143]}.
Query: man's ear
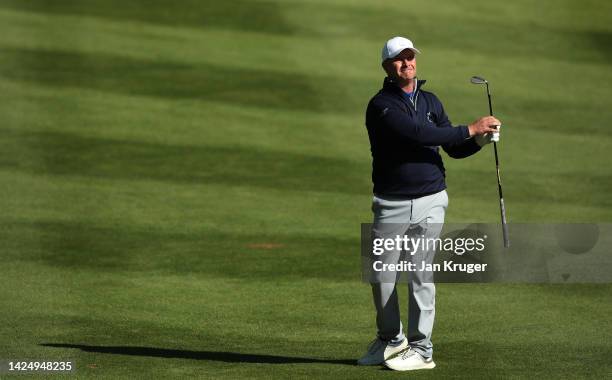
{"type": "Point", "coordinates": [385, 66]}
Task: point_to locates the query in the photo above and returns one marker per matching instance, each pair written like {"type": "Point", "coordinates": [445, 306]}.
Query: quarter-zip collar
{"type": "Point", "coordinates": [389, 84]}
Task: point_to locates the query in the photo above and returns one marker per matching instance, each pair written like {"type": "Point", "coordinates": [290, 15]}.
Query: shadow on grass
{"type": "Point", "coordinates": [80, 245]}
{"type": "Point", "coordinates": [220, 356]}
{"type": "Point", "coordinates": [158, 78]}
{"type": "Point", "coordinates": [66, 154]}
{"type": "Point", "coordinates": [260, 16]}
{"type": "Point", "coordinates": [601, 42]}
{"type": "Point", "coordinates": [354, 22]}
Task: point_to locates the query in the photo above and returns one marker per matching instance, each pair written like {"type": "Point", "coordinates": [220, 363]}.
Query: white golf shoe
{"type": "Point", "coordinates": [379, 351]}
{"type": "Point", "coordinates": [409, 360]}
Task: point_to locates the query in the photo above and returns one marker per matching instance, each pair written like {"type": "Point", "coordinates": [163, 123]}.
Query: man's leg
{"type": "Point", "coordinates": [428, 213]}
{"type": "Point", "coordinates": [391, 218]}
{"type": "Point", "coordinates": [388, 321]}
{"type": "Point", "coordinates": [421, 313]}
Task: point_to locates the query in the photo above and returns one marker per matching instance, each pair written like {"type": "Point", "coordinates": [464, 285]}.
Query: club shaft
{"type": "Point", "coordinates": [502, 207]}
{"type": "Point", "coordinates": [505, 233]}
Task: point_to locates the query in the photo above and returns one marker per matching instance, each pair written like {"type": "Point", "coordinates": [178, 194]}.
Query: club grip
{"type": "Point", "coordinates": [495, 135]}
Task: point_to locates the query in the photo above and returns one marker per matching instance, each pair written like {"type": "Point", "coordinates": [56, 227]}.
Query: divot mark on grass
{"type": "Point", "coordinates": [265, 245]}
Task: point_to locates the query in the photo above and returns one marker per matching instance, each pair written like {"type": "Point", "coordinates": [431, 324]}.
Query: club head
{"type": "Point", "coordinates": [478, 80]}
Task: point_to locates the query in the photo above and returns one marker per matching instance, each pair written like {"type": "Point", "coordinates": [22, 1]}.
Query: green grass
{"type": "Point", "coordinates": [183, 184]}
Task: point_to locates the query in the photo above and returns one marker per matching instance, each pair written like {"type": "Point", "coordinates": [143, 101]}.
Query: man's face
{"type": "Point", "coordinates": [402, 67]}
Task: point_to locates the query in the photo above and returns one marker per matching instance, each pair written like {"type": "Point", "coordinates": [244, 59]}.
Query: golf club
{"type": "Point", "coordinates": [481, 80]}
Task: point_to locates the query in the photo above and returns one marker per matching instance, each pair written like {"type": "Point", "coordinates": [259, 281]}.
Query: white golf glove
{"type": "Point", "coordinates": [488, 138]}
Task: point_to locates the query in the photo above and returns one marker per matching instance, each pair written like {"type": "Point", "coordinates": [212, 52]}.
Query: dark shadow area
{"type": "Point", "coordinates": [79, 244]}
{"type": "Point", "coordinates": [65, 154]}
{"type": "Point", "coordinates": [170, 80]}
{"type": "Point", "coordinates": [227, 357]}
{"type": "Point", "coordinates": [259, 16]}
{"type": "Point", "coordinates": [525, 40]}
{"type": "Point", "coordinates": [601, 41]}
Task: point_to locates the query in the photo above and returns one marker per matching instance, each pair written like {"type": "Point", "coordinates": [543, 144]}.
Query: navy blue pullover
{"type": "Point", "coordinates": [405, 140]}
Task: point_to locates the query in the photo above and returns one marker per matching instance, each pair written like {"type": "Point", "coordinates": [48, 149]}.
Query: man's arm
{"type": "Point", "coordinates": [463, 148]}
{"type": "Point", "coordinates": [401, 125]}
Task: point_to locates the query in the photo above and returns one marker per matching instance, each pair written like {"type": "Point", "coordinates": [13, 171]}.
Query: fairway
{"type": "Point", "coordinates": [183, 184]}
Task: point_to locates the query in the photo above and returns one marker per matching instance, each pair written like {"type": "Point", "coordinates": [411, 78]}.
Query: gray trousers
{"type": "Point", "coordinates": [426, 214]}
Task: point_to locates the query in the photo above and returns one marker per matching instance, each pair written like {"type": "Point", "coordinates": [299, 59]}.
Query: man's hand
{"type": "Point", "coordinates": [488, 138]}
{"type": "Point", "coordinates": [484, 125]}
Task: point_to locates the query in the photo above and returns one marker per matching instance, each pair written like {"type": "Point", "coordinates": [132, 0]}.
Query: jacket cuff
{"type": "Point", "coordinates": [474, 144]}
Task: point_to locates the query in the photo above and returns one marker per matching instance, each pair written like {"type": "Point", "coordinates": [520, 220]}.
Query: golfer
{"type": "Point", "coordinates": [406, 127]}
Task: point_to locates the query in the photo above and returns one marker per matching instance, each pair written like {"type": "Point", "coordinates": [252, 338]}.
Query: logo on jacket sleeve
{"type": "Point", "coordinates": [431, 117]}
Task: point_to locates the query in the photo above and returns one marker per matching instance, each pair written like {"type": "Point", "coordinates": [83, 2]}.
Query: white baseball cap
{"type": "Point", "coordinates": [395, 46]}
